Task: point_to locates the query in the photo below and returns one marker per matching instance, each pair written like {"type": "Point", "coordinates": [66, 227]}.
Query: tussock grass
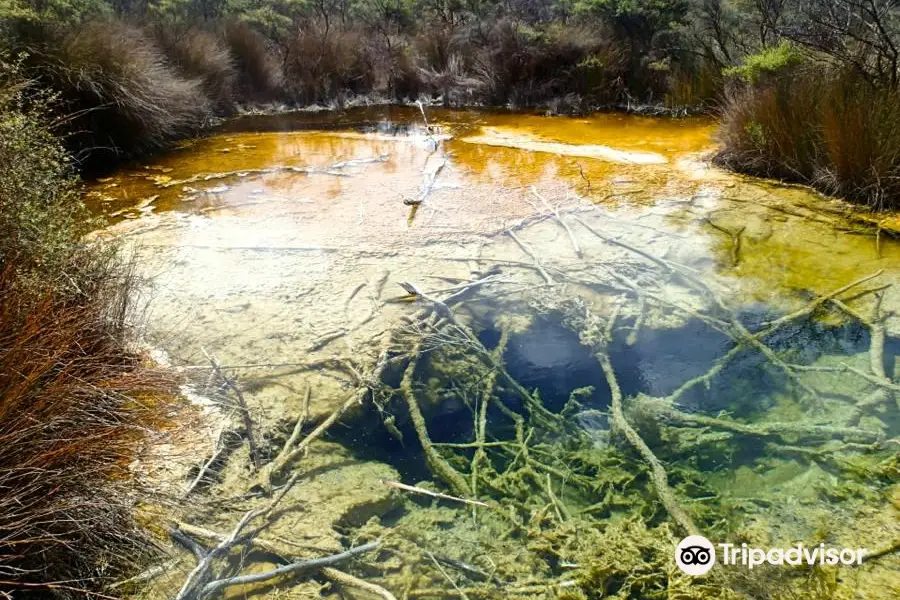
{"type": "Point", "coordinates": [258, 74]}
{"type": "Point", "coordinates": [831, 130]}
{"type": "Point", "coordinates": [203, 56]}
{"type": "Point", "coordinates": [124, 97]}
{"type": "Point", "coordinates": [75, 401]}
{"type": "Point", "coordinates": [74, 404]}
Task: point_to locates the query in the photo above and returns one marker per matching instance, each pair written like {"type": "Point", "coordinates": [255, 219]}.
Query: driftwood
{"type": "Point", "coordinates": [293, 569]}
{"type": "Point", "coordinates": [560, 220]}
{"type": "Point", "coordinates": [242, 405]}
{"type": "Point", "coordinates": [419, 490]}
{"type": "Point", "coordinates": [791, 431]}
{"type": "Point", "coordinates": [345, 579]}
{"type": "Point", "coordinates": [197, 576]}
{"type": "Point", "coordinates": [219, 448]}
{"type": "Point", "coordinates": [291, 453]}
{"type": "Point", "coordinates": [537, 261]}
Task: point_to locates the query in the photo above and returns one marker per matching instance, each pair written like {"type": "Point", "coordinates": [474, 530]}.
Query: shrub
{"type": "Point", "coordinates": [861, 139]}
{"type": "Point", "coordinates": [123, 96]}
{"type": "Point", "coordinates": [258, 76]}
{"type": "Point", "coordinates": [768, 61]}
{"type": "Point", "coordinates": [321, 65]}
{"type": "Point", "coordinates": [41, 215]}
{"type": "Point", "coordinates": [829, 129]}
{"type": "Point", "coordinates": [200, 55]}
{"type": "Point", "coordinates": [524, 66]}
{"type": "Point", "coordinates": [771, 130]}
{"type": "Point", "coordinates": [74, 401]}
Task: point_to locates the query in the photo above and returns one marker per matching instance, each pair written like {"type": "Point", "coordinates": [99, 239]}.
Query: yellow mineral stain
{"type": "Point", "coordinates": [278, 184]}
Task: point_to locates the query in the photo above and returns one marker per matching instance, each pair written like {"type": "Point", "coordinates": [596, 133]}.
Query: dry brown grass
{"type": "Point", "coordinates": [75, 401]}
{"type": "Point", "coordinates": [323, 65]}
{"type": "Point", "coordinates": [201, 55]}
{"type": "Point", "coordinates": [258, 75]}
{"type": "Point", "coordinates": [123, 96]}
{"type": "Point", "coordinates": [74, 407]}
{"type": "Point", "coordinates": [831, 130]}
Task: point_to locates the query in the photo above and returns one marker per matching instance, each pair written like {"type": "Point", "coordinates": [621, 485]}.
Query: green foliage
{"type": "Point", "coordinates": [59, 11]}
{"type": "Point", "coordinates": [769, 61]}
{"type": "Point", "coordinates": [41, 214]}
{"type": "Point", "coordinates": [657, 14]}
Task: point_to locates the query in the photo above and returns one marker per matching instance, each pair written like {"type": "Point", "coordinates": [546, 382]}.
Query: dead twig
{"type": "Point", "coordinates": [418, 490]}
{"type": "Point", "coordinates": [274, 468]}
{"type": "Point", "coordinates": [537, 262]}
{"type": "Point", "coordinates": [348, 580]}
{"type": "Point", "coordinates": [446, 575]}
{"type": "Point", "coordinates": [296, 568]}
{"type": "Point", "coordinates": [559, 219]}
{"type": "Point", "coordinates": [242, 403]}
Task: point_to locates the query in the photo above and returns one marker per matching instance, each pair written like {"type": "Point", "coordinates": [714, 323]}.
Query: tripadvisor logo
{"type": "Point", "coordinates": [696, 555]}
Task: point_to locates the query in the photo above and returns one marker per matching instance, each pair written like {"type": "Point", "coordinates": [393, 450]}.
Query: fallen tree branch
{"type": "Point", "coordinates": [438, 465]}
{"type": "Point", "coordinates": [242, 403]}
{"type": "Point", "coordinates": [786, 431]}
{"type": "Point", "coordinates": [275, 468]}
{"type": "Point", "coordinates": [221, 445]}
{"type": "Point", "coordinates": [196, 577]}
{"type": "Point", "coordinates": [560, 220]}
{"type": "Point", "coordinates": [296, 568]}
{"type": "Point", "coordinates": [537, 262]}
{"type": "Point", "coordinates": [658, 474]}
{"type": "Point", "coordinates": [348, 580]}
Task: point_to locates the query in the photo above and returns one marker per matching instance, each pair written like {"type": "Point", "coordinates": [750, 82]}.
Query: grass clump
{"type": "Point", "coordinates": [201, 55]}
{"type": "Point", "coordinates": [75, 401]}
{"type": "Point", "coordinates": [827, 128]}
{"type": "Point", "coordinates": [125, 98]}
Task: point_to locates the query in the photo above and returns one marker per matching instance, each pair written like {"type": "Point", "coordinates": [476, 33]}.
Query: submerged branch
{"type": "Point", "coordinates": [438, 465]}
{"type": "Point", "coordinates": [658, 474]}
{"type": "Point", "coordinates": [242, 404]}
{"type": "Point", "coordinates": [304, 566]}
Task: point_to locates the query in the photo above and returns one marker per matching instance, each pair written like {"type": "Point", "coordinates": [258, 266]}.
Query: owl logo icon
{"type": "Point", "coordinates": [695, 555]}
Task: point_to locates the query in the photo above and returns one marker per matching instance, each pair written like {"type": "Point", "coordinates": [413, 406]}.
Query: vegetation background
{"type": "Point", "coordinates": [807, 90]}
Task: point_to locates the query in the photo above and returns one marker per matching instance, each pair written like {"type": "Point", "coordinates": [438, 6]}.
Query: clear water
{"type": "Point", "coordinates": [278, 243]}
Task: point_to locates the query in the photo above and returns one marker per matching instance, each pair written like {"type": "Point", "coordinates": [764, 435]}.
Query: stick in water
{"type": "Point", "coordinates": [418, 490]}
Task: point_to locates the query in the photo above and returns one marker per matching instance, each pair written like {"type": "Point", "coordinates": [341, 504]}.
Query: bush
{"type": "Point", "coordinates": [41, 214]}
{"type": "Point", "coordinates": [831, 130]}
{"type": "Point", "coordinates": [200, 55]}
{"type": "Point", "coordinates": [123, 96]}
{"type": "Point", "coordinates": [861, 139]}
{"type": "Point", "coordinates": [769, 61]}
{"type": "Point", "coordinates": [258, 77]}
{"type": "Point", "coordinates": [74, 401]}
{"type": "Point", "coordinates": [523, 66]}
{"type": "Point", "coordinates": [323, 65]}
